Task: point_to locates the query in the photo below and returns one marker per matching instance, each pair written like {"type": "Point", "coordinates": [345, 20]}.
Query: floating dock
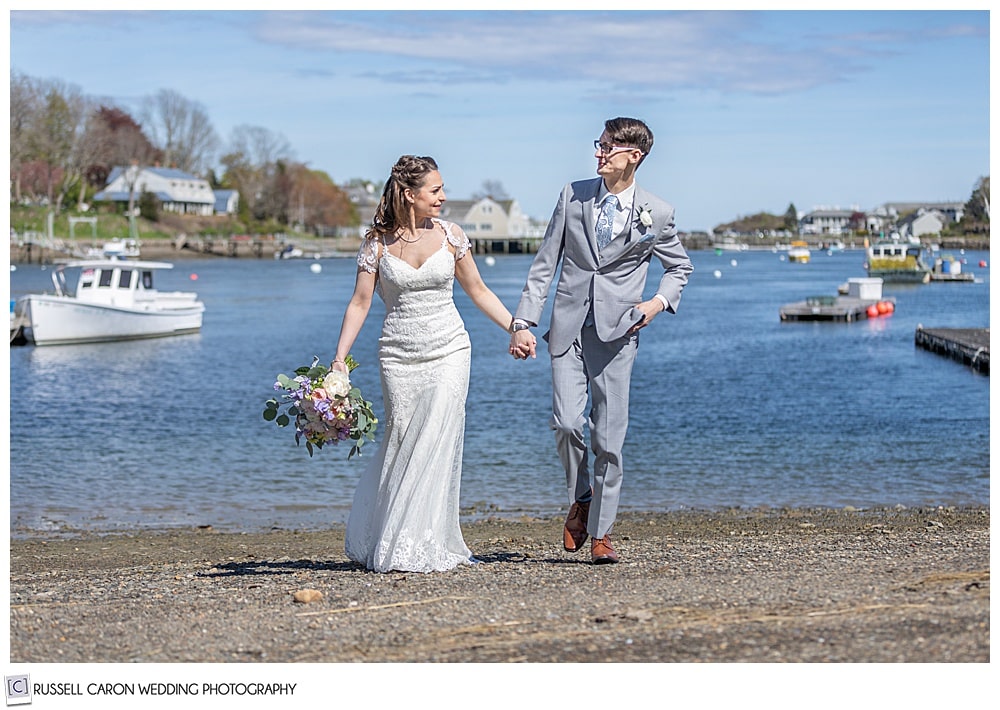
{"type": "Point", "coordinates": [831, 308]}
{"type": "Point", "coordinates": [969, 346]}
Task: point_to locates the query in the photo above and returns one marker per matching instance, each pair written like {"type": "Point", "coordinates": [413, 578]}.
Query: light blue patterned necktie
{"type": "Point", "coordinates": [605, 221]}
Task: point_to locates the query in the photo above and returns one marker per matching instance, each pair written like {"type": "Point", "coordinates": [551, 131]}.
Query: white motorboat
{"type": "Point", "coordinates": [799, 253]}
{"type": "Point", "coordinates": [113, 300]}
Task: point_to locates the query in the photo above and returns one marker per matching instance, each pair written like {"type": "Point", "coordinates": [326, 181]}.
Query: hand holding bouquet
{"type": "Point", "coordinates": [325, 407]}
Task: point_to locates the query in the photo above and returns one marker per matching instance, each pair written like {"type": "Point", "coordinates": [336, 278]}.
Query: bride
{"type": "Point", "coordinates": [405, 511]}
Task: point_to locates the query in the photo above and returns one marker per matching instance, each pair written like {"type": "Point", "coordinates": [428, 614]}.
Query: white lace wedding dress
{"type": "Point", "coordinates": [405, 511]}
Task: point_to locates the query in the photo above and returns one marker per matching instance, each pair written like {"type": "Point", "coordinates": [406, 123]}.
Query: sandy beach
{"type": "Point", "coordinates": [767, 585]}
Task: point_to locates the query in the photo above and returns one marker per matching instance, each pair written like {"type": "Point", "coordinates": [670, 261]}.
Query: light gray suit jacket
{"type": "Point", "coordinates": [612, 280]}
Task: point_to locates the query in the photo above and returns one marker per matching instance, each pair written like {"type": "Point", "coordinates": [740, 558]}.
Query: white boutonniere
{"type": "Point", "coordinates": [646, 217]}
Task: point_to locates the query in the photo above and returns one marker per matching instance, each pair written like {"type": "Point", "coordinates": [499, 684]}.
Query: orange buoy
{"type": "Point", "coordinates": [873, 311]}
{"type": "Point", "coordinates": [882, 307]}
{"type": "Point", "coordinates": [889, 307]}
{"type": "Point", "coordinates": [982, 263]}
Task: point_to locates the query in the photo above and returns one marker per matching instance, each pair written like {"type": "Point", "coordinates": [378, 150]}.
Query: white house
{"type": "Point", "coordinates": [488, 218]}
{"type": "Point", "coordinates": [922, 222]}
{"type": "Point", "coordinates": [481, 219]}
{"type": "Point", "coordinates": [826, 221]}
{"type": "Point", "coordinates": [952, 211]}
{"type": "Point", "coordinates": [176, 190]}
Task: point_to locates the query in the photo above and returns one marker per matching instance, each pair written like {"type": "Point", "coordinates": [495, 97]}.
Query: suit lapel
{"type": "Point", "coordinates": [639, 201]}
{"type": "Point", "coordinates": [589, 221]}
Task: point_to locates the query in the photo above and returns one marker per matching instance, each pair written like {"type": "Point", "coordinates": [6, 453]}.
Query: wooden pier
{"type": "Point", "coordinates": [505, 245]}
{"type": "Point", "coordinates": [844, 309]}
{"type": "Point", "coordinates": [969, 346]}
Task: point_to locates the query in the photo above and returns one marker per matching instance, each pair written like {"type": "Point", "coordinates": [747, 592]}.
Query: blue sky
{"type": "Point", "coordinates": [751, 110]}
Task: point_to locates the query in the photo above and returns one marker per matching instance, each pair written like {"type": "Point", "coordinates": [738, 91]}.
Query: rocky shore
{"type": "Point", "coordinates": [790, 585]}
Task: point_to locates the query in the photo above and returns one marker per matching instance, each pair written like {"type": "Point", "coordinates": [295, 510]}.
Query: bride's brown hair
{"type": "Point", "coordinates": [393, 211]}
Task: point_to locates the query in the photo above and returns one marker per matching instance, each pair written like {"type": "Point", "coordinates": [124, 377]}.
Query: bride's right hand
{"type": "Point", "coordinates": [340, 366]}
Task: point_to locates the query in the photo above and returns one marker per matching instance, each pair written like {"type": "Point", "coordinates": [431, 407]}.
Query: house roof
{"type": "Point", "coordinates": [222, 199]}
{"type": "Point", "coordinates": [170, 173]}
{"type": "Point", "coordinates": [922, 214]}
{"type": "Point", "coordinates": [831, 213]}
{"type": "Point", "coordinates": [457, 209]}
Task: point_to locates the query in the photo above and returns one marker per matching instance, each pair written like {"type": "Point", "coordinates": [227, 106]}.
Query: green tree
{"type": "Point", "coordinates": [977, 209]}
{"type": "Point", "coordinates": [792, 219]}
{"type": "Point", "coordinates": [149, 206]}
{"type": "Point", "coordinates": [52, 137]}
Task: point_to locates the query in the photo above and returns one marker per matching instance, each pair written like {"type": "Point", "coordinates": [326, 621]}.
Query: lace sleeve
{"type": "Point", "coordinates": [368, 255]}
{"type": "Point", "coordinates": [460, 241]}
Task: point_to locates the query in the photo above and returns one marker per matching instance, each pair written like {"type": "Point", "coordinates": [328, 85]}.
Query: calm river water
{"type": "Point", "coordinates": [730, 406]}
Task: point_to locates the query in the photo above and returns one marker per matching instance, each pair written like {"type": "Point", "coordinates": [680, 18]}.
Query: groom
{"type": "Point", "coordinates": [603, 234]}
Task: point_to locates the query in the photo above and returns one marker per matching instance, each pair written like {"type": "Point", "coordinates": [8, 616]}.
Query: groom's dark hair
{"type": "Point", "coordinates": [631, 132]}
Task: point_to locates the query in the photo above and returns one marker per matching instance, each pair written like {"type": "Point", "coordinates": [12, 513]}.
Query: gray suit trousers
{"type": "Point", "coordinates": [605, 369]}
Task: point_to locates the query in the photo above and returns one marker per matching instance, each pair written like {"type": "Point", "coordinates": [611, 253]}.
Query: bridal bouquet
{"type": "Point", "coordinates": [325, 407]}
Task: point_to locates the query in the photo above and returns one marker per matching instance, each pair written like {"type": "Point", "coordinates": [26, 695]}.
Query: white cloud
{"type": "Point", "coordinates": [720, 51]}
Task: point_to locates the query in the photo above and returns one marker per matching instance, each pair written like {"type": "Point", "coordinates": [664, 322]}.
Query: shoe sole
{"type": "Point", "coordinates": [605, 561]}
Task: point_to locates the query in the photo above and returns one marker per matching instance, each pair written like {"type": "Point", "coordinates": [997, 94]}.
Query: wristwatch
{"type": "Point", "coordinates": [518, 325]}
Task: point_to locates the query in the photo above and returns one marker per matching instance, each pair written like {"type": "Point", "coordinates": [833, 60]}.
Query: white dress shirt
{"type": "Point", "coordinates": [625, 198]}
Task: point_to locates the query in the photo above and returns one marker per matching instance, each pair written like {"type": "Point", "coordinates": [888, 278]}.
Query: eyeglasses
{"type": "Point", "coordinates": [608, 149]}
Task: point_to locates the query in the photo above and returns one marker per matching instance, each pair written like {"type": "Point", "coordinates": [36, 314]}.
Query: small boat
{"type": "Point", "coordinates": [799, 252]}
{"type": "Point", "coordinates": [729, 244]}
{"type": "Point", "coordinates": [289, 252]}
{"type": "Point", "coordinates": [897, 262]}
{"type": "Point", "coordinates": [113, 300]}
{"type": "Point", "coordinates": [948, 268]}
{"type": "Point", "coordinates": [115, 249]}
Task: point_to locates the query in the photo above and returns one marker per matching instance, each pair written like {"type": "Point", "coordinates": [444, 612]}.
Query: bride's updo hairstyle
{"type": "Point", "coordinates": [393, 212]}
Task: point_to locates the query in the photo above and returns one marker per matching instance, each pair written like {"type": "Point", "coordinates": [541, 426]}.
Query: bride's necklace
{"type": "Point", "coordinates": [416, 235]}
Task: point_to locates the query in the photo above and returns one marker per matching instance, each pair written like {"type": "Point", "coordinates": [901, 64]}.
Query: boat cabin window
{"type": "Point", "coordinates": [125, 278]}
{"type": "Point", "coordinates": [105, 280]}
{"type": "Point", "coordinates": [87, 278]}
{"type": "Point", "coordinates": [147, 280]}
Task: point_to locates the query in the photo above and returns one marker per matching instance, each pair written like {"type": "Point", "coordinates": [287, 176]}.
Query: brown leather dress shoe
{"type": "Point", "coordinates": [575, 529]}
{"type": "Point", "coordinates": [601, 551]}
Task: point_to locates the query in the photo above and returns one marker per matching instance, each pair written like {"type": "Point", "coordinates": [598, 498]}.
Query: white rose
{"type": "Point", "coordinates": [646, 218]}
{"type": "Point", "coordinates": [336, 384]}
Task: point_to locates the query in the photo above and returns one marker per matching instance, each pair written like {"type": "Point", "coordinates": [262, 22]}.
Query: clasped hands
{"type": "Point", "coordinates": [522, 344]}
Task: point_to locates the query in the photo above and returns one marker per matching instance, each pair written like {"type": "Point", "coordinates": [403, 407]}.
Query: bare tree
{"type": "Point", "coordinates": [492, 189]}
{"type": "Point", "coordinates": [254, 166]}
{"type": "Point", "coordinates": [181, 129]}
{"type": "Point", "coordinates": [25, 105]}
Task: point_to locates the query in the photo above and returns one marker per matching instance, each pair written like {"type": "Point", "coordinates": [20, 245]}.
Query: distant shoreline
{"type": "Point", "coordinates": [164, 249]}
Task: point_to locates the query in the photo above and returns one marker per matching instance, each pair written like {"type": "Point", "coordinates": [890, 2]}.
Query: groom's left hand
{"type": "Point", "coordinates": [649, 309]}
